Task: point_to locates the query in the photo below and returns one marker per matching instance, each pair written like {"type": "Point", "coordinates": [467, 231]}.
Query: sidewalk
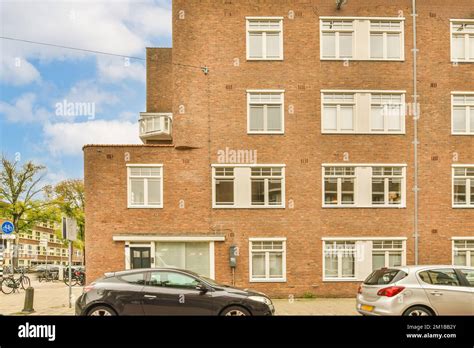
{"type": "Point", "coordinates": [49, 299]}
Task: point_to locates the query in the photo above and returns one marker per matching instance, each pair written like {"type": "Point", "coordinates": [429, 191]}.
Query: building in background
{"type": "Point", "coordinates": [41, 246]}
{"type": "Point", "coordinates": [279, 138]}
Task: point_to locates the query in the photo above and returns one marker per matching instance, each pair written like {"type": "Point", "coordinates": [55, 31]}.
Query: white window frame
{"type": "Point", "coordinates": [362, 256]}
{"type": "Point", "coordinates": [267, 261]}
{"type": "Point", "coordinates": [469, 204]}
{"type": "Point", "coordinates": [358, 194]}
{"type": "Point", "coordinates": [339, 179]}
{"type": "Point", "coordinates": [248, 182]}
{"type": "Point", "coordinates": [265, 104]}
{"type": "Point", "coordinates": [469, 251]}
{"type": "Point", "coordinates": [266, 179]}
{"type": "Point", "coordinates": [357, 105]}
{"type": "Point", "coordinates": [386, 179]}
{"type": "Point", "coordinates": [386, 251]}
{"type": "Point", "coordinates": [129, 186]}
{"type": "Point", "coordinates": [452, 24]}
{"type": "Point", "coordinates": [385, 32]}
{"type": "Point", "coordinates": [224, 177]}
{"type": "Point", "coordinates": [469, 111]}
{"type": "Point", "coordinates": [339, 104]}
{"type": "Point", "coordinates": [340, 252]}
{"type": "Point", "coordinates": [264, 32]}
{"type": "Point", "coordinates": [356, 54]}
{"type": "Point", "coordinates": [386, 130]}
{"type": "Point", "coordinates": [337, 33]}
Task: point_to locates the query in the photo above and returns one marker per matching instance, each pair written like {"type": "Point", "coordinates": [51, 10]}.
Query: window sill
{"type": "Point", "coordinates": [364, 207]}
{"type": "Point", "coordinates": [264, 59]}
{"type": "Point", "coordinates": [363, 133]}
{"type": "Point", "coordinates": [266, 133]}
{"type": "Point", "coordinates": [268, 280]}
{"type": "Point", "coordinates": [462, 134]}
{"type": "Point", "coordinates": [247, 207]}
{"type": "Point", "coordinates": [145, 207]}
{"type": "Point", "coordinates": [462, 61]}
{"type": "Point", "coordinates": [362, 60]}
{"type": "Point", "coordinates": [463, 206]}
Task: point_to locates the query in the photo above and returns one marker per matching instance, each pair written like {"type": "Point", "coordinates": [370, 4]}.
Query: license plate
{"type": "Point", "coordinates": [367, 308]}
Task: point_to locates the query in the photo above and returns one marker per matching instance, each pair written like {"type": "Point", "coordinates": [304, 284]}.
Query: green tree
{"type": "Point", "coordinates": [20, 191]}
{"type": "Point", "coordinates": [68, 195]}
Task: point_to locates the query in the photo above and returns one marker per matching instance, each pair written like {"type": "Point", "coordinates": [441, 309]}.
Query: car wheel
{"type": "Point", "coordinates": [418, 311]}
{"type": "Point", "coordinates": [101, 311]}
{"type": "Point", "coordinates": [235, 311]}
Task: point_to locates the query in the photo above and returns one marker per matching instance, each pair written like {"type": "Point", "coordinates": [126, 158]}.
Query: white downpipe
{"type": "Point", "coordinates": [415, 132]}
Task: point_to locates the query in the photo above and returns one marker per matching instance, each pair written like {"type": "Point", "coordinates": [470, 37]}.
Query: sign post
{"type": "Point", "coordinates": [7, 228]}
{"type": "Point", "coordinates": [70, 234]}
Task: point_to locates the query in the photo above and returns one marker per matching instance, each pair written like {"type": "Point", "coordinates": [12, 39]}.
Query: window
{"type": "Point", "coordinates": [265, 112]}
{"type": "Point", "coordinates": [463, 253]}
{"type": "Point", "coordinates": [363, 112]}
{"type": "Point", "coordinates": [462, 40]}
{"type": "Point", "coordinates": [173, 280]}
{"type": "Point", "coordinates": [264, 38]}
{"type": "Point", "coordinates": [135, 278]}
{"type": "Point", "coordinates": [386, 40]}
{"type": "Point", "coordinates": [339, 186]}
{"type": "Point", "coordinates": [267, 260]}
{"type": "Point", "coordinates": [445, 277]}
{"type": "Point", "coordinates": [266, 186]}
{"type": "Point", "coordinates": [337, 39]}
{"type": "Point", "coordinates": [338, 112]}
{"type": "Point", "coordinates": [249, 186]}
{"type": "Point", "coordinates": [339, 259]}
{"type": "Point", "coordinates": [224, 186]}
{"type": "Point", "coordinates": [192, 256]}
{"type": "Point", "coordinates": [386, 114]}
{"type": "Point", "coordinates": [387, 185]}
{"type": "Point", "coordinates": [362, 38]}
{"type": "Point", "coordinates": [145, 186]}
{"type": "Point", "coordinates": [463, 113]}
{"type": "Point", "coordinates": [387, 253]}
{"type": "Point", "coordinates": [350, 259]}
{"type": "Point", "coordinates": [469, 274]}
{"type": "Point", "coordinates": [346, 186]}
{"type": "Point", "coordinates": [463, 187]}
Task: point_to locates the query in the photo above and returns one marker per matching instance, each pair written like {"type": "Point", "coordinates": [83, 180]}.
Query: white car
{"type": "Point", "coordinates": [418, 291]}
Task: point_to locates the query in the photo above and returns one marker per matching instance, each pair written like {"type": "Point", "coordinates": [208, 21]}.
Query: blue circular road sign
{"type": "Point", "coordinates": [7, 227]}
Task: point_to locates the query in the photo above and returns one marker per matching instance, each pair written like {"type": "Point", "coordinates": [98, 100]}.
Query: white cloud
{"type": "Point", "coordinates": [17, 71]}
{"type": "Point", "coordinates": [69, 138]}
{"type": "Point", "coordinates": [123, 27]}
{"type": "Point", "coordinates": [23, 110]}
{"type": "Point", "coordinates": [112, 69]}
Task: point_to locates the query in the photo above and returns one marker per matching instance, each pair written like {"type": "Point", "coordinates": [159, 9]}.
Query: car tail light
{"type": "Point", "coordinates": [390, 291]}
{"type": "Point", "coordinates": [88, 288]}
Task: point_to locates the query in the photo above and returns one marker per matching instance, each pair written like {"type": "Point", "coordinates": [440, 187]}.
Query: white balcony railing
{"type": "Point", "coordinates": [155, 126]}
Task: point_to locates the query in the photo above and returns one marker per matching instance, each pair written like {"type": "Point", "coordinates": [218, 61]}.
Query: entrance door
{"type": "Point", "coordinates": [140, 258]}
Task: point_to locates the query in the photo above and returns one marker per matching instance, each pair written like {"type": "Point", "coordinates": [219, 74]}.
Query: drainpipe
{"type": "Point", "coordinates": [415, 133]}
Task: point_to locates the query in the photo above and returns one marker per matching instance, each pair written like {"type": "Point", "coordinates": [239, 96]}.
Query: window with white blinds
{"type": "Point", "coordinates": [264, 38]}
{"type": "Point", "coordinates": [463, 113]}
{"type": "Point", "coordinates": [265, 113]}
{"type": "Point", "coordinates": [462, 40]}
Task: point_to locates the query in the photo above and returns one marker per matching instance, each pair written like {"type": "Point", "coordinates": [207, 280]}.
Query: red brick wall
{"type": "Point", "coordinates": [159, 80]}
{"type": "Point", "coordinates": [209, 115]}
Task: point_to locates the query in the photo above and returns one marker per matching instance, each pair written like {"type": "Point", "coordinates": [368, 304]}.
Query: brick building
{"type": "Point", "coordinates": [286, 129]}
{"type": "Point", "coordinates": [40, 246]}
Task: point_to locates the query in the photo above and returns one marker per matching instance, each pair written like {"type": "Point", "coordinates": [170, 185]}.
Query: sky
{"type": "Point", "coordinates": [55, 100]}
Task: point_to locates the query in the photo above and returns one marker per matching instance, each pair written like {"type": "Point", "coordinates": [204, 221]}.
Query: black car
{"type": "Point", "coordinates": [168, 292]}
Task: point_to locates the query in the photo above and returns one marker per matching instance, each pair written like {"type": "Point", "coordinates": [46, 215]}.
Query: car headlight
{"type": "Point", "coordinates": [261, 299]}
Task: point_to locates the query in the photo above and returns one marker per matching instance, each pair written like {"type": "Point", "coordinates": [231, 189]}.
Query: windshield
{"type": "Point", "coordinates": [211, 281]}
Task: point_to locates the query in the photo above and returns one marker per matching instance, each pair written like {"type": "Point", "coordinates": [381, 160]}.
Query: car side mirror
{"type": "Point", "coordinates": [202, 288]}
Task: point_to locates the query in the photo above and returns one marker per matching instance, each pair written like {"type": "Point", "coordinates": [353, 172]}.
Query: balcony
{"type": "Point", "coordinates": [155, 128]}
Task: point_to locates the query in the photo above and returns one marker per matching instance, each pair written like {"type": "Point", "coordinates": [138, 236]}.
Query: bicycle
{"type": "Point", "coordinates": [48, 276]}
{"type": "Point", "coordinates": [9, 284]}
